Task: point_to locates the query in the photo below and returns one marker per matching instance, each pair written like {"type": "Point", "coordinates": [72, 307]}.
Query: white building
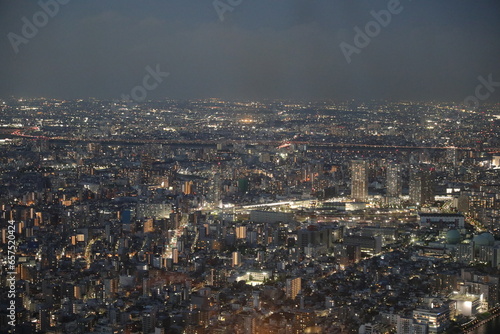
{"type": "Point", "coordinates": [467, 304]}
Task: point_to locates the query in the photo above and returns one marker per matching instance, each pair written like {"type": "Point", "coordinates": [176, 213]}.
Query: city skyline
{"type": "Point", "coordinates": [211, 216]}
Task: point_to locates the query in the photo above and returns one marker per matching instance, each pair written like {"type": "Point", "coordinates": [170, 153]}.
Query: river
{"type": "Point", "coordinates": [491, 327]}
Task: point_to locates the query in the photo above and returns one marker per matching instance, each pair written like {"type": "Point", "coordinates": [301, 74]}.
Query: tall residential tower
{"type": "Point", "coordinates": [422, 185]}
{"type": "Point", "coordinates": [393, 181]}
{"type": "Point", "coordinates": [359, 180]}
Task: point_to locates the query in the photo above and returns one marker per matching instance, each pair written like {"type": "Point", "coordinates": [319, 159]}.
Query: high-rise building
{"type": "Point", "coordinates": [393, 180]}
{"type": "Point", "coordinates": [241, 232]}
{"type": "Point", "coordinates": [148, 321]}
{"type": "Point", "coordinates": [236, 259]}
{"type": "Point", "coordinates": [451, 155]}
{"type": "Point", "coordinates": [302, 320]}
{"type": "Point", "coordinates": [313, 236]}
{"type": "Point", "coordinates": [422, 185]}
{"type": "Point", "coordinates": [359, 180]}
{"type": "Point", "coordinates": [215, 188]}
{"type": "Point", "coordinates": [44, 317]}
{"type": "Point", "coordinates": [250, 324]}
{"type": "Point", "coordinates": [175, 255]}
{"type": "Point", "coordinates": [293, 287]}
{"type": "Point", "coordinates": [188, 187]}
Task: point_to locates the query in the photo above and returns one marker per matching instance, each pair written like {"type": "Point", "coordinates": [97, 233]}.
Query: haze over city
{"type": "Point", "coordinates": [261, 49]}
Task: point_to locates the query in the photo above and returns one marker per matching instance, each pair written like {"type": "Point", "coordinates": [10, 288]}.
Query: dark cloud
{"type": "Point", "coordinates": [262, 49]}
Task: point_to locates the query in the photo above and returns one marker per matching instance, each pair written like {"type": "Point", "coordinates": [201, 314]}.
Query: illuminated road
{"type": "Point", "coordinates": [173, 241]}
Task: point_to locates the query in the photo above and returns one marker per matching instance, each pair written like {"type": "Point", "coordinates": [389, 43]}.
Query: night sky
{"type": "Point", "coordinates": [430, 49]}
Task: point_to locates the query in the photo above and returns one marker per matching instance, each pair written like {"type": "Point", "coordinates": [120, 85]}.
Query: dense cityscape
{"type": "Point", "coordinates": [249, 167]}
{"type": "Point", "coordinates": [251, 217]}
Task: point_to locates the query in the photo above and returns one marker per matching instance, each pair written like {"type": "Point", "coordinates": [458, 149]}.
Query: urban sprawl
{"type": "Point", "coordinates": [248, 217]}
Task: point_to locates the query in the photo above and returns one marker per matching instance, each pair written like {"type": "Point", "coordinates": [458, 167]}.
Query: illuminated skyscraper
{"type": "Point", "coordinates": [393, 181]}
{"type": "Point", "coordinates": [359, 180]}
{"type": "Point", "coordinates": [422, 185]}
